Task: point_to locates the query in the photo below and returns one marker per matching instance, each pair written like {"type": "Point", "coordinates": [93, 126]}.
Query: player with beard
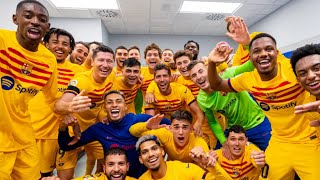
{"type": "Point", "coordinates": [115, 166]}
{"type": "Point", "coordinates": [172, 96]}
{"type": "Point", "coordinates": [129, 83]}
{"type": "Point", "coordinates": [26, 68]}
{"type": "Point", "coordinates": [178, 140]}
{"type": "Point", "coordinates": [113, 134]}
{"type": "Point", "coordinates": [134, 52]}
{"type": "Point", "coordinates": [275, 88]}
{"type": "Point", "coordinates": [121, 54]}
{"type": "Point", "coordinates": [44, 122]}
{"type": "Point", "coordinates": [151, 154]}
{"type": "Point", "coordinates": [87, 64]}
{"type": "Point", "coordinates": [79, 53]}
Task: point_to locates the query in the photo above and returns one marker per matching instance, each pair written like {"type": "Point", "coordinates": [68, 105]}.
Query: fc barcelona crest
{"type": "Point", "coordinates": [26, 69]}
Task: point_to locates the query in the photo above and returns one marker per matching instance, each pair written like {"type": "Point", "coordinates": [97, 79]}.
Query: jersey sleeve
{"type": "Point", "coordinates": [77, 84]}
{"type": "Point", "coordinates": [239, 83]}
{"type": "Point", "coordinates": [152, 87]}
{"type": "Point", "coordinates": [215, 126]}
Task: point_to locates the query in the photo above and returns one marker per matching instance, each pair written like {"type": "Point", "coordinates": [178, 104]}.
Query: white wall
{"type": "Point", "coordinates": [82, 29]}
{"type": "Point", "coordinates": [7, 9]}
{"type": "Point", "coordinates": [293, 25]}
{"type": "Point", "coordinates": [173, 42]}
{"type": "Point", "coordinates": [105, 34]}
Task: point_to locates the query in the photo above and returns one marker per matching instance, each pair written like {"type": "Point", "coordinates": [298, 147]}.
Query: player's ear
{"type": "Point", "coordinates": [140, 159]}
{"type": "Point", "coordinates": [14, 19]}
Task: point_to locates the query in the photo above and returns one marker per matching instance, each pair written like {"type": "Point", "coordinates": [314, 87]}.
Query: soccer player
{"type": "Point", "coordinates": [167, 59]}
{"type": "Point", "coordinates": [152, 55]}
{"type": "Point", "coordinates": [275, 88]}
{"type": "Point", "coordinates": [79, 53]}
{"type": "Point", "coordinates": [26, 68]}
{"type": "Point", "coordinates": [193, 47]}
{"type": "Point", "coordinates": [87, 64]}
{"type": "Point", "coordinates": [113, 134]}
{"type": "Point", "coordinates": [91, 85]}
{"type": "Point", "coordinates": [178, 141]}
{"type": "Point", "coordinates": [247, 160]}
{"type": "Point", "coordinates": [134, 52]}
{"type": "Point", "coordinates": [129, 83]}
{"type": "Point", "coordinates": [238, 108]}
{"type": "Point", "coordinates": [151, 154]}
{"type": "Point", "coordinates": [121, 54]}
{"type": "Point", "coordinates": [115, 166]}
{"type": "Point", "coordinates": [172, 96]}
{"type": "Point", "coordinates": [44, 122]}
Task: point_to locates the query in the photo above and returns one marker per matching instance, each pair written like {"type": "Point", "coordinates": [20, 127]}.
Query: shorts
{"type": "Point", "coordinates": [48, 149]}
{"type": "Point", "coordinates": [67, 159]}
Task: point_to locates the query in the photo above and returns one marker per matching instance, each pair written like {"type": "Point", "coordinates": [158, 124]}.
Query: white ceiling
{"type": "Point", "coordinates": [163, 17]}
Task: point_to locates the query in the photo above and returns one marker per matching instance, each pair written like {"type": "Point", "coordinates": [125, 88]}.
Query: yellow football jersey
{"type": "Point", "coordinates": [179, 98]}
{"type": "Point", "coordinates": [190, 84]}
{"type": "Point", "coordinates": [167, 140]}
{"type": "Point", "coordinates": [99, 176]}
{"type": "Point", "coordinates": [177, 170]}
{"type": "Point", "coordinates": [95, 91]}
{"type": "Point", "coordinates": [23, 75]}
{"type": "Point", "coordinates": [147, 78]}
{"type": "Point", "coordinates": [129, 93]}
{"type": "Point", "coordinates": [44, 122]}
{"type": "Point", "coordinates": [312, 115]}
{"type": "Point", "coordinates": [277, 98]}
{"type": "Point", "coordinates": [242, 168]}
{"type": "Point", "coordinates": [117, 71]}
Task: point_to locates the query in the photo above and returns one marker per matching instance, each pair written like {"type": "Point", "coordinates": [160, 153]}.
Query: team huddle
{"type": "Point", "coordinates": [254, 115]}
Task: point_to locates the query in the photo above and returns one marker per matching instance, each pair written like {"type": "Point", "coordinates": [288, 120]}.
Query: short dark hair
{"type": "Point", "coordinates": [194, 63]}
{"type": "Point", "coordinates": [150, 47]}
{"type": "Point", "coordinates": [84, 44]}
{"type": "Point", "coordinates": [59, 32]}
{"type": "Point", "coordinates": [301, 52]}
{"type": "Point", "coordinates": [262, 35]}
{"type": "Point", "coordinates": [198, 47]}
{"type": "Point", "coordinates": [167, 50]}
{"type": "Point", "coordinates": [181, 53]}
{"type": "Point", "coordinates": [102, 48]}
{"type": "Point", "coordinates": [113, 92]}
{"type": "Point", "coordinates": [116, 151]}
{"type": "Point", "coordinates": [161, 66]}
{"type": "Point", "coordinates": [145, 139]}
{"type": "Point", "coordinates": [20, 4]}
{"type": "Point", "coordinates": [236, 129]}
{"type": "Point", "coordinates": [120, 47]}
{"type": "Point", "coordinates": [130, 62]}
{"type": "Point", "coordinates": [181, 115]}
{"type": "Point", "coordinates": [134, 47]}
{"type": "Point", "coordinates": [94, 42]}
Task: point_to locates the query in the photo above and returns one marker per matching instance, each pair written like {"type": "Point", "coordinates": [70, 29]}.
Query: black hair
{"type": "Point", "coordinates": [236, 129]}
{"type": "Point", "coordinates": [150, 47]}
{"type": "Point", "coordinates": [114, 92]}
{"type": "Point", "coordinates": [102, 48]}
{"type": "Point", "coordinates": [198, 47]}
{"type": "Point", "coordinates": [134, 47]}
{"type": "Point", "coordinates": [181, 53]}
{"type": "Point", "coordinates": [262, 35]}
{"type": "Point", "coordinates": [84, 44]}
{"type": "Point", "coordinates": [59, 32]}
{"type": "Point", "coordinates": [161, 66]}
{"type": "Point", "coordinates": [120, 47]}
{"type": "Point", "coordinates": [130, 62]}
{"type": "Point", "coordinates": [145, 139]}
{"type": "Point", "coordinates": [20, 4]}
{"type": "Point", "coordinates": [94, 42]}
{"type": "Point", "coordinates": [301, 52]}
{"type": "Point", "coordinates": [116, 151]}
{"type": "Point", "coordinates": [181, 115]}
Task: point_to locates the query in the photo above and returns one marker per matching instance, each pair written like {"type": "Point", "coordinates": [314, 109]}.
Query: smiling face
{"type": "Point", "coordinates": [121, 55]}
{"type": "Point", "coordinates": [116, 167]}
{"type": "Point", "coordinates": [152, 58]}
{"type": "Point", "coordinates": [134, 53]}
{"type": "Point", "coordinates": [79, 54]}
{"type": "Point", "coordinates": [162, 79]}
{"type": "Point", "coordinates": [199, 75]}
{"type": "Point", "coordinates": [102, 66]}
{"type": "Point", "coordinates": [151, 155]}
{"type": "Point", "coordinates": [181, 130]}
{"type": "Point", "coordinates": [237, 143]}
{"type": "Point", "coordinates": [115, 107]}
{"type": "Point", "coordinates": [59, 46]}
{"type": "Point", "coordinates": [308, 73]}
{"type": "Point", "coordinates": [33, 22]}
{"type": "Point", "coordinates": [131, 75]}
{"type": "Point", "coordinates": [193, 48]}
{"type": "Point", "coordinates": [263, 55]}
{"type": "Point", "coordinates": [167, 56]}
{"type": "Point", "coordinates": [182, 64]}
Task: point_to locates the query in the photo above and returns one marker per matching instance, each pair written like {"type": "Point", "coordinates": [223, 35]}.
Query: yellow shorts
{"type": "Point", "coordinates": [284, 159]}
{"type": "Point", "coordinates": [48, 149]}
{"type": "Point", "coordinates": [67, 159]}
{"type": "Point", "coordinates": [94, 150]}
{"type": "Point", "coordinates": [21, 164]}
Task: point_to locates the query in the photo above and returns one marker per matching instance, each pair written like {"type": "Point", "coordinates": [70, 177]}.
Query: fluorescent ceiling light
{"type": "Point", "coordinates": [85, 4]}
{"type": "Point", "coordinates": [209, 7]}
